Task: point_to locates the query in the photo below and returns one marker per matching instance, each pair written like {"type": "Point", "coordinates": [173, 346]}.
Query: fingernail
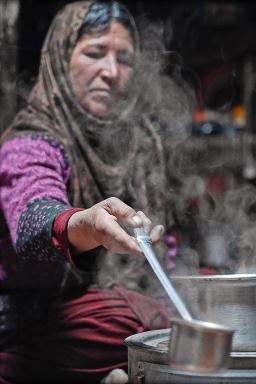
{"type": "Point", "coordinates": [137, 220]}
{"type": "Point", "coordinates": [161, 230]}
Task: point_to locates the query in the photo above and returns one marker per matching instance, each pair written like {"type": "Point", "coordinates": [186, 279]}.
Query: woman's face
{"type": "Point", "coordinates": [100, 67]}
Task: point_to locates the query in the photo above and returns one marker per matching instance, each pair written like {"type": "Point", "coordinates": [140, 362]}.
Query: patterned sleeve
{"type": "Point", "coordinates": [34, 175]}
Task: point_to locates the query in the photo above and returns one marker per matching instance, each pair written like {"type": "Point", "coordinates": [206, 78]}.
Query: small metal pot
{"type": "Point", "coordinates": [199, 346]}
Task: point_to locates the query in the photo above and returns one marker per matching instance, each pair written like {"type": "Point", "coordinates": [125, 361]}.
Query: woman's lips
{"type": "Point", "coordinates": [101, 91]}
{"type": "Point", "coordinates": [101, 94]}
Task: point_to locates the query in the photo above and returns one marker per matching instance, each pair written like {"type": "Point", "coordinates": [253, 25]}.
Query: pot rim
{"type": "Point", "coordinates": [140, 340]}
{"type": "Point", "coordinates": [203, 326]}
{"type": "Point", "coordinates": [242, 277]}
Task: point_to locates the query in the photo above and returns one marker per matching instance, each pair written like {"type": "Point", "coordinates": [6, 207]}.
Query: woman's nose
{"type": "Point", "coordinates": [110, 69]}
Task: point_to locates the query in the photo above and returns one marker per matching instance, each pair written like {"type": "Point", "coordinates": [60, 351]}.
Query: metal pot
{"type": "Point", "coordinates": [228, 300]}
{"type": "Point", "coordinates": [148, 363]}
{"type": "Point", "coordinates": [208, 355]}
{"type": "Point", "coordinates": [200, 347]}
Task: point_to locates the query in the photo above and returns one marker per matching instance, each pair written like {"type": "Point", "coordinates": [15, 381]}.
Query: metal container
{"type": "Point", "coordinates": [228, 300]}
{"type": "Point", "coordinates": [148, 363]}
{"type": "Point", "coordinates": [151, 346]}
{"type": "Point", "coordinates": [199, 347]}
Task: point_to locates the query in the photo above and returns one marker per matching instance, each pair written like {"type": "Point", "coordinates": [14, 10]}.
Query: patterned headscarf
{"type": "Point", "coordinates": [98, 170]}
{"type": "Point", "coordinates": [121, 157]}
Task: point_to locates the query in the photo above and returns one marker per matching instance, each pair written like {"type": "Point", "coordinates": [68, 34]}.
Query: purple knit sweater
{"type": "Point", "coordinates": [33, 189]}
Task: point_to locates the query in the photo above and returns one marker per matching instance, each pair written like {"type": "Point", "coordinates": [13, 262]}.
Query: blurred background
{"type": "Point", "coordinates": [215, 44]}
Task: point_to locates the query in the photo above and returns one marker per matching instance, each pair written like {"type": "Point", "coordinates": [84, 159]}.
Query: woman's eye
{"type": "Point", "coordinates": [126, 58]}
{"type": "Point", "coordinates": [94, 54]}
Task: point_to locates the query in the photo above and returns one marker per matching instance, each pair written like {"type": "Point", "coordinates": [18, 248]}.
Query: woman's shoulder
{"type": "Point", "coordinates": [32, 138]}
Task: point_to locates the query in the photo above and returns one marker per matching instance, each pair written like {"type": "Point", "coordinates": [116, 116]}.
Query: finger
{"type": "Point", "coordinates": [137, 221]}
{"type": "Point", "coordinates": [114, 238]}
{"type": "Point", "coordinates": [156, 233]}
{"type": "Point", "coordinates": [113, 217]}
{"type": "Point", "coordinates": [146, 222]}
{"type": "Point", "coordinates": [123, 212]}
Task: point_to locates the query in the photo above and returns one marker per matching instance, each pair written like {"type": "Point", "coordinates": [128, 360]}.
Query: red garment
{"type": "Point", "coordinates": [59, 232]}
{"type": "Point", "coordinates": [87, 340]}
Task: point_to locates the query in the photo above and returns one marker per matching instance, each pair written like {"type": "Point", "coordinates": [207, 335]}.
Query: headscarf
{"type": "Point", "coordinates": [53, 110]}
{"type": "Point", "coordinates": [120, 157]}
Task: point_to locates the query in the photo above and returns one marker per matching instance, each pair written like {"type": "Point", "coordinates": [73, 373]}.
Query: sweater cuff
{"type": "Point", "coordinates": [59, 232]}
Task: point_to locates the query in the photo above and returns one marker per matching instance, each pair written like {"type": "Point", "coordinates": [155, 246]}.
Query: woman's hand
{"type": "Point", "coordinates": [101, 225]}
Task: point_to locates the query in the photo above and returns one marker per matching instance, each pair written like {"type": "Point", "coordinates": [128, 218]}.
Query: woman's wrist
{"type": "Point", "coordinates": [80, 233]}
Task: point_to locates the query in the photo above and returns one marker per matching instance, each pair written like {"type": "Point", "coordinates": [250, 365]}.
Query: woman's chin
{"type": "Point", "coordinates": [99, 110]}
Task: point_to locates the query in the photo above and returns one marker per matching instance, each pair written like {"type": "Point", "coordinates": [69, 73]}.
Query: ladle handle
{"type": "Point", "coordinates": [144, 243]}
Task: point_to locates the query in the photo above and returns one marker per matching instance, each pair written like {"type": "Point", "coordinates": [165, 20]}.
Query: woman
{"type": "Point", "coordinates": [81, 140]}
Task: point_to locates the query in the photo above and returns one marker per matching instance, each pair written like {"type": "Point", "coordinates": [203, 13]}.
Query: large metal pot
{"type": "Point", "coordinates": [224, 299]}
{"type": "Point", "coordinates": [148, 363]}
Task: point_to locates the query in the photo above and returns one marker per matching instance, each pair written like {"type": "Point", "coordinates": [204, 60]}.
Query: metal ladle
{"type": "Point", "coordinates": [212, 342]}
{"type": "Point", "coordinates": [144, 243]}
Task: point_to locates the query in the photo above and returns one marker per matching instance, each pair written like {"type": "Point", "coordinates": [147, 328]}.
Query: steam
{"type": "Point", "coordinates": [167, 101]}
{"type": "Point", "coordinates": [217, 228]}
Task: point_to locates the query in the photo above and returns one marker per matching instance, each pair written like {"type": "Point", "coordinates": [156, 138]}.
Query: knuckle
{"type": "Point", "coordinates": [100, 224]}
{"type": "Point", "coordinates": [113, 199]}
